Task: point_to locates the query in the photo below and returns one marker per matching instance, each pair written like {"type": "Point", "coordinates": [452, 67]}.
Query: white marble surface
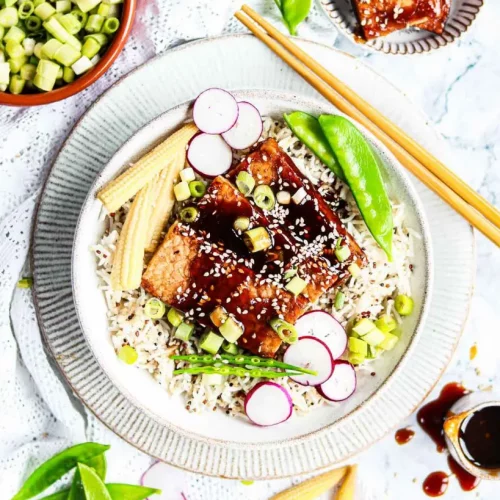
{"type": "Point", "coordinates": [457, 87]}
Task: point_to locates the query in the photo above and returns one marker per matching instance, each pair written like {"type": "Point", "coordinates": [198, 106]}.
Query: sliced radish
{"type": "Point", "coordinates": [247, 129]}
{"type": "Point", "coordinates": [324, 326]}
{"type": "Point", "coordinates": [209, 155]}
{"type": "Point", "coordinates": [215, 111]}
{"type": "Point", "coordinates": [341, 384]}
{"type": "Point", "coordinates": [313, 354]}
{"type": "Point", "coordinates": [268, 404]}
{"type": "Point", "coordinates": [170, 480]}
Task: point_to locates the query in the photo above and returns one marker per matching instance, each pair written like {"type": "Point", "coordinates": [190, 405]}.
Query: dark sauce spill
{"type": "Point", "coordinates": [432, 415]}
{"type": "Point", "coordinates": [404, 436]}
{"type": "Point", "coordinates": [436, 484]}
{"type": "Point", "coordinates": [467, 481]}
{"type": "Point", "coordinates": [480, 437]}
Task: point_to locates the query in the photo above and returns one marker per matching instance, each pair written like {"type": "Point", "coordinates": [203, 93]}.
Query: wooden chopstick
{"type": "Point", "coordinates": [487, 224]}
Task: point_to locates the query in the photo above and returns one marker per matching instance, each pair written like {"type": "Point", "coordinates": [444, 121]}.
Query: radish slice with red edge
{"type": "Point", "coordinates": [170, 480]}
{"type": "Point", "coordinates": [209, 155]}
{"type": "Point", "coordinates": [311, 353]}
{"type": "Point", "coordinates": [342, 384]}
{"type": "Point", "coordinates": [324, 326]}
{"type": "Point", "coordinates": [247, 129]}
{"type": "Point", "coordinates": [268, 404]}
{"type": "Point", "coordinates": [215, 111]}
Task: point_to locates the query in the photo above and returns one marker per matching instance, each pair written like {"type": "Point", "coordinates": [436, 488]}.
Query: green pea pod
{"type": "Point", "coordinates": [117, 491]}
{"type": "Point", "coordinates": [294, 12]}
{"type": "Point", "coordinates": [54, 468]}
{"type": "Point", "coordinates": [97, 463]}
{"type": "Point", "coordinates": [307, 128]}
{"type": "Point", "coordinates": [93, 486]}
{"type": "Point", "coordinates": [360, 165]}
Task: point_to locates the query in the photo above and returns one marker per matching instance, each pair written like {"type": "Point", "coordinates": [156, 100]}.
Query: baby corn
{"type": "Point", "coordinates": [312, 488]}
{"type": "Point", "coordinates": [120, 190]}
{"type": "Point", "coordinates": [347, 490]}
{"type": "Point", "coordinates": [129, 256]}
{"type": "Point", "coordinates": [164, 201]}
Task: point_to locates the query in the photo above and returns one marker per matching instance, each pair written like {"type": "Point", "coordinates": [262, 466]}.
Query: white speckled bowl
{"type": "Point", "coordinates": [410, 41]}
{"type": "Point", "coordinates": [128, 401]}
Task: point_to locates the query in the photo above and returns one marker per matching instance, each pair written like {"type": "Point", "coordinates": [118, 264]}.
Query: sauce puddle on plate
{"type": "Point", "coordinates": [436, 484]}
{"type": "Point", "coordinates": [404, 436]}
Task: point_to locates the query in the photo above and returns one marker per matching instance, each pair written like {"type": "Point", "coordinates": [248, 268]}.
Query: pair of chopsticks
{"type": "Point", "coordinates": [428, 169]}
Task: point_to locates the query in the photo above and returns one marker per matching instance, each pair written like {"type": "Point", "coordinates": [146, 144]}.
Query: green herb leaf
{"type": "Point", "coordinates": [294, 12]}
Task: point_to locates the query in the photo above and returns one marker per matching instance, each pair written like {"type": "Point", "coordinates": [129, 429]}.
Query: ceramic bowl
{"type": "Point", "coordinates": [81, 83]}
{"type": "Point", "coordinates": [140, 388]}
{"type": "Point", "coordinates": [409, 41]}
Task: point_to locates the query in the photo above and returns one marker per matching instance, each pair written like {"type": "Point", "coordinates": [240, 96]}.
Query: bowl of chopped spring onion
{"type": "Point", "coordinates": [53, 49]}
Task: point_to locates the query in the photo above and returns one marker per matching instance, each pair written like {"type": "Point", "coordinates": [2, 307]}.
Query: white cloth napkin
{"type": "Point", "coordinates": [38, 414]}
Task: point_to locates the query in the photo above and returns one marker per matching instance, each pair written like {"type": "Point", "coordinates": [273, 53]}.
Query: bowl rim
{"type": "Point", "coordinates": [454, 29]}
{"type": "Point", "coordinates": [403, 178]}
{"type": "Point", "coordinates": [109, 57]}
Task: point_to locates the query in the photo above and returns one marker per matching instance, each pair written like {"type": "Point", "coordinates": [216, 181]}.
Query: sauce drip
{"type": "Point", "coordinates": [431, 416]}
{"type": "Point", "coordinates": [480, 437]}
{"type": "Point", "coordinates": [404, 436]}
{"type": "Point", "coordinates": [467, 481]}
{"type": "Point", "coordinates": [436, 484]}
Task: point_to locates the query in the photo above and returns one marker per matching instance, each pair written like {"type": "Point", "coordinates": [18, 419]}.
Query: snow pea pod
{"type": "Point", "coordinates": [97, 463]}
{"type": "Point", "coordinates": [93, 487]}
{"type": "Point", "coordinates": [307, 128]}
{"type": "Point", "coordinates": [360, 165]}
{"type": "Point", "coordinates": [293, 12]}
{"type": "Point", "coordinates": [116, 491]}
{"type": "Point", "coordinates": [54, 468]}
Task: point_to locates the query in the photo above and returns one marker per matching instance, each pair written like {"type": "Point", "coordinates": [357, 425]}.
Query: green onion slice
{"type": "Point", "coordinates": [197, 188]}
{"type": "Point", "coordinates": [286, 331]}
{"type": "Point", "coordinates": [189, 214]}
{"type": "Point", "coordinates": [155, 308]}
{"type": "Point", "coordinates": [245, 183]}
{"type": "Point", "coordinates": [264, 197]}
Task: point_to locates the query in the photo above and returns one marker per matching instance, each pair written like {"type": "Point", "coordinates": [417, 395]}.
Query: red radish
{"type": "Point", "coordinates": [170, 480]}
{"type": "Point", "coordinates": [268, 404]}
{"type": "Point", "coordinates": [313, 354]}
{"type": "Point", "coordinates": [215, 111]}
{"type": "Point", "coordinates": [341, 384]}
{"type": "Point", "coordinates": [247, 129]}
{"type": "Point", "coordinates": [209, 155]}
{"type": "Point", "coordinates": [324, 326]}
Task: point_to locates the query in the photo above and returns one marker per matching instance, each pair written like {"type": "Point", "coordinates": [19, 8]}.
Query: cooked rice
{"type": "Point", "coordinates": [370, 294]}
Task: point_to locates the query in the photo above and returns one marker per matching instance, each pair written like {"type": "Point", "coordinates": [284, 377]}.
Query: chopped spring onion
{"type": "Point", "coordinates": [68, 75]}
{"type": "Point", "coordinates": [355, 358]}
{"type": "Point", "coordinates": [286, 332]}
{"type": "Point", "coordinates": [8, 17]}
{"type": "Point", "coordinates": [17, 63]}
{"type": "Point", "coordinates": [299, 196]}
{"type": "Point", "coordinates": [44, 11]}
{"type": "Point", "coordinates": [47, 69]}
{"type": "Point", "coordinates": [83, 64]}
{"type": "Point", "coordinates": [25, 283]}
{"type": "Point", "coordinates": [230, 348]}
{"type": "Point", "coordinates": [231, 330]}
{"type": "Point", "coordinates": [63, 6]}
{"type": "Point", "coordinates": [218, 316]}
{"type": "Point", "coordinates": [128, 354]}
{"type": "Point", "coordinates": [241, 224]}
{"type": "Point", "coordinates": [354, 269]}
{"type": "Point", "coordinates": [245, 183]}
{"type": "Point", "coordinates": [14, 49]}
{"type": "Point", "coordinates": [71, 24]}
{"type": "Point", "coordinates": [86, 5]}
{"type": "Point", "coordinates": [50, 48]}
{"type": "Point", "coordinates": [181, 190]}
{"type": "Point", "coordinates": [363, 326]}
{"type": "Point", "coordinates": [189, 214]}
{"type": "Point", "coordinates": [29, 46]}
{"type": "Point", "coordinates": [94, 23]}
{"type": "Point", "coordinates": [283, 197]}
{"type": "Point", "coordinates": [184, 331]}
{"type": "Point", "coordinates": [44, 83]}
{"type": "Point", "coordinates": [339, 300]}
{"type": "Point", "coordinates": [296, 285]}
{"type": "Point", "coordinates": [187, 175]}
{"type": "Point", "coordinates": [389, 342]}
{"type": "Point", "coordinates": [28, 72]}
{"type": "Point", "coordinates": [25, 9]}
{"type": "Point", "coordinates": [342, 253]}
{"type": "Point", "coordinates": [197, 188]}
{"type": "Point", "coordinates": [16, 85]}
{"type": "Point", "coordinates": [358, 346]}
{"type": "Point", "coordinates": [110, 25]}
{"type": "Point", "coordinates": [154, 308]}
{"type": "Point", "coordinates": [90, 48]}
{"type": "Point", "coordinates": [386, 323]}
{"type": "Point", "coordinates": [174, 317]}
{"type": "Point", "coordinates": [38, 50]}
{"type": "Point", "coordinates": [33, 23]}
{"type": "Point", "coordinates": [211, 342]}
{"type": "Point", "coordinates": [104, 9]}
{"type": "Point", "coordinates": [403, 305]}
{"type": "Point", "coordinates": [16, 34]}
{"type": "Point", "coordinates": [374, 338]}
{"type": "Point", "coordinates": [264, 197]}
{"type": "Point", "coordinates": [290, 273]}
{"type": "Point", "coordinates": [80, 15]}
{"type": "Point", "coordinates": [4, 73]}
{"type": "Point", "coordinates": [257, 239]}
{"type": "Point", "coordinates": [67, 55]}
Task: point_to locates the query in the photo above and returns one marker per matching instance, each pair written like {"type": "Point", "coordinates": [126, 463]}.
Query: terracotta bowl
{"type": "Point", "coordinates": [127, 19]}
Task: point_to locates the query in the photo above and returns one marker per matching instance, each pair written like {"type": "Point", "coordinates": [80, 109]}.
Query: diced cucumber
{"type": "Point", "coordinates": [230, 348]}
{"type": "Point", "coordinates": [296, 285]}
{"type": "Point", "coordinates": [386, 323]}
{"type": "Point", "coordinates": [175, 317]}
{"type": "Point", "coordinates": [184, 331]}
{"type": "Point", "coordinates": [374, 338]}
{"type": "Point", "coordinates": [373, 352]}
{"type": "Point", "coordinates": [363, 326]}
{"type": "Point", "coordinates": [355, 358]}
{"type": "Point", "coordinates": [389, 342]}
{"type": "Point", "coordinates": [213, 379]}
{"type": "Point", "coordinates": [358, 346]}
{"type": "Point", "coordinates": [231, 330]}
{"type": "Point", "coordinates": [211, 342]}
